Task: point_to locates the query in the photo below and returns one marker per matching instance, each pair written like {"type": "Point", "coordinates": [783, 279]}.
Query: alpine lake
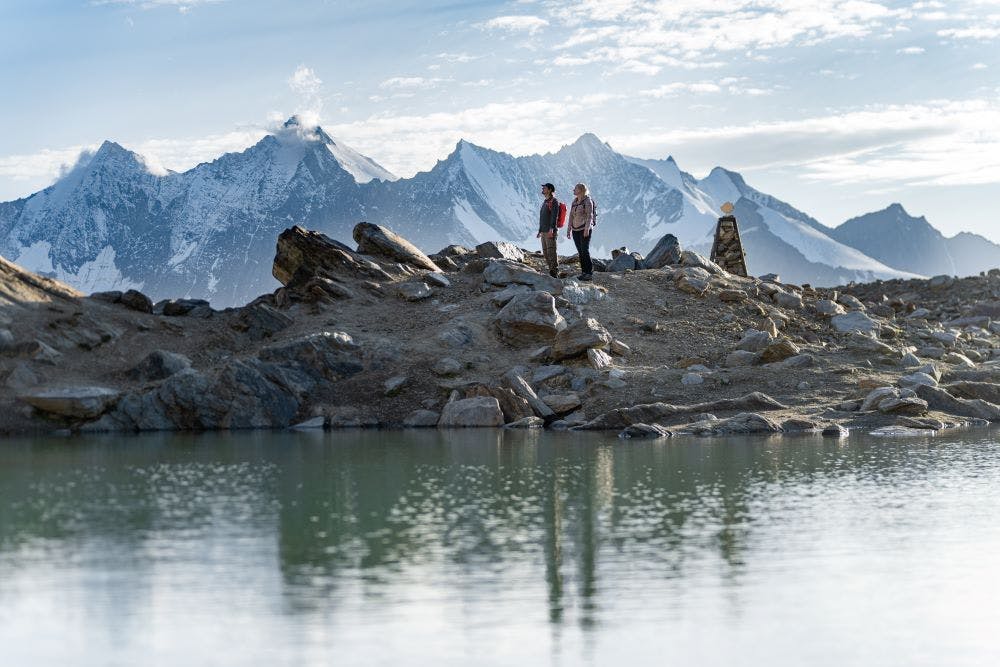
{"type": "Point", "coordinates": [484, 547]}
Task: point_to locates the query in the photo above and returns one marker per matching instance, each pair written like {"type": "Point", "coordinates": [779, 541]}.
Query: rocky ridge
{"type": "Point", "coordinates": [382, 335]}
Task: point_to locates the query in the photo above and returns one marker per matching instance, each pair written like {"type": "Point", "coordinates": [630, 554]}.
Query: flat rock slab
{"type": "Point", "coordinates": [73, 402]}
{"type": "Point", "coordinates": [654, 413]}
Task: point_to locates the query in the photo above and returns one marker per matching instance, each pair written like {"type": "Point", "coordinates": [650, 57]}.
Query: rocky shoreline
{"type": "Point", "coordinates": [384, 336]}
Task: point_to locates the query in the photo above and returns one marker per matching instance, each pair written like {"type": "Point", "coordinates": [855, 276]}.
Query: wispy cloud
{"type": "Point", "coordinates": [649, 34]}
{"type": "Point", "coordinates": [518, 23]}
{"type": "Point", "coordinates": [409, 82]}
{"type": "Point", "coordinates": [932, 144]}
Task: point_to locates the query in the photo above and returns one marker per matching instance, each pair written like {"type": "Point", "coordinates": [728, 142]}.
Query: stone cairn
{"type": "Point", "coordinates": [727, 251]}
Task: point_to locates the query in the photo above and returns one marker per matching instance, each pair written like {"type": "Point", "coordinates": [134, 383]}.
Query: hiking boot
{"type": "Point", "coordinates": [553, 273]}
{"type": "Point", "coordinates": [585, 276]}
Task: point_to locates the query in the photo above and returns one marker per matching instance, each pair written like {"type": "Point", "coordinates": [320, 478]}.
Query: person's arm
{"type": "Point", "coordinates": [588, 210]}
{"type": "Point", "coordinates": [554, 218]}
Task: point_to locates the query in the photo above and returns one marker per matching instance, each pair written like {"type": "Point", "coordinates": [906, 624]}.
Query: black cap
{"type": "Point", "coordinates": [551, 187]}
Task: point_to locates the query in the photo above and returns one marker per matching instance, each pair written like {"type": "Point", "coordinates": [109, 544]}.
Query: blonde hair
{"type": "Point", "coordinates": [583, 187]}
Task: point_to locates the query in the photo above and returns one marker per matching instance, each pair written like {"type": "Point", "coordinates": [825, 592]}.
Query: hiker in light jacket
{"type": "Point", "coordinates": [548, 222]}
{"type": "Point", "coordinates": [581, 224]}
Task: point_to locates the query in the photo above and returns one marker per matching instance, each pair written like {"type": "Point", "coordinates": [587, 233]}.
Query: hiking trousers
{"type": "Point", "coordinates": [583, 248]}
{"type": "Point", "coordinates": [549, 251]}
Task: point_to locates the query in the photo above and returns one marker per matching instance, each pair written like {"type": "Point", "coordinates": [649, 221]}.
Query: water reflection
{"type": "Point", "coordinates": [345, 532]}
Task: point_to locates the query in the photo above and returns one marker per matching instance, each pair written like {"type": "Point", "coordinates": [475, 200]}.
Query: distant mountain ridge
{"type": "Point", "coordinates": [113, 222]}
{"type": "Point", "coordinates": [899, 239]}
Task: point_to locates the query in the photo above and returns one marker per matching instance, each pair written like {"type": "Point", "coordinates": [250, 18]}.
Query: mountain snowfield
{"type": "Point", "coordinates": [116, 222]}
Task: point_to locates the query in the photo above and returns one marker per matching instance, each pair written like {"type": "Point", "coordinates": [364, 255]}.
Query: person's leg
{"type": "Point", "coordinates": [585, 262]}
{"type": "Point", "coordinates": [580, 252]}
{"type": "Point", "coordinates": [549, 251]}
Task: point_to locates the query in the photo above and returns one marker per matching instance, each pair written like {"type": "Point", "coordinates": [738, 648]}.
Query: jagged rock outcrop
{"type": "Point", "coordinates": [382, 242]}
{"type": "Point", "coordinates": [302, 254]}
{"type": "Point", "coordinates": [667, 251]}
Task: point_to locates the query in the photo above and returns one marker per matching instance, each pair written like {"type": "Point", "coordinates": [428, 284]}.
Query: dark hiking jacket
{"type": "Point", "coordinates": [548, 216]}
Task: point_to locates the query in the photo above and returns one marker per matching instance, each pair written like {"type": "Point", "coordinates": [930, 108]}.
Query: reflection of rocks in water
{"type": "Point", "coordinates": [498, 506]}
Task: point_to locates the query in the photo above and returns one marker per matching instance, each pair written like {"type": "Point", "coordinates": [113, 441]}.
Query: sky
{"type": "Point", "coordinates": [838, 107]}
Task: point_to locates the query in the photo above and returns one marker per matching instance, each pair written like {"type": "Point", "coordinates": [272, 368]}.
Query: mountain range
{"type": "Point", "coordinates": [116, 222]}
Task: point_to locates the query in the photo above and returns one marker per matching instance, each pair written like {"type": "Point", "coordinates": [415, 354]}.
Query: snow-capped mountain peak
{"type": "Point", "coordinates": [362, 168]}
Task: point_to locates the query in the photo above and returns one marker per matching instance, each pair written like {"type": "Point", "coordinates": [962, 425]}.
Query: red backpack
{"type": "Point", "coordinates": [561, 222]}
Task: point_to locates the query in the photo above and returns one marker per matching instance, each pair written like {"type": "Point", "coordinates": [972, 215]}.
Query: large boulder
{"type": "Point", "coordinates": [302, 254]}
{"type": "Point", "coordinates": [667, 251]}
{"type": "Point", "coordinates": [529, 319]}
{"type": "Point", "coordinates": [159, 365]}
{"type": "Point", "coordinates": [624, 262]}
{"type": "Point", "coordinates": [136, 300]}
{"type": "Point", "coordinates": [503, 272]}
{"type": "Point", "coordinates": [500, 250]}
{"type": "Point", "coordinates": [693, 259]}
{"type": "Point", "coordinates": [382, 242]}
{"type": "Point", "coordinates": [512, 380]}
{"type": "Point", "coordinates": [260, 321]}
{"type": "Point", "coordinates": [481, 411]}
{"type": "Point", "coordinates": [579, 337]}
{"type": "Point", "coordinates": [513, 407]}
{"type": "Point", "coordinates": [72, 402]}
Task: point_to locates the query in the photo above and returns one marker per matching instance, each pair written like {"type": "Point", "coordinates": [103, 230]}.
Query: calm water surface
{"type": "Point", "coordinates": [493, 548]}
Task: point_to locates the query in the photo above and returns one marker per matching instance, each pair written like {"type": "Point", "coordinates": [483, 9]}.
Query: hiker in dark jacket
{"type": "Point", "coordinates": [582, 218]}
{"type": "Point", "coordinates": [548, 222]}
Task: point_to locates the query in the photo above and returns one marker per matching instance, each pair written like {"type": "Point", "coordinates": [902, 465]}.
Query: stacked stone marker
{"type": "Point", "coordinates": [727, 251]}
